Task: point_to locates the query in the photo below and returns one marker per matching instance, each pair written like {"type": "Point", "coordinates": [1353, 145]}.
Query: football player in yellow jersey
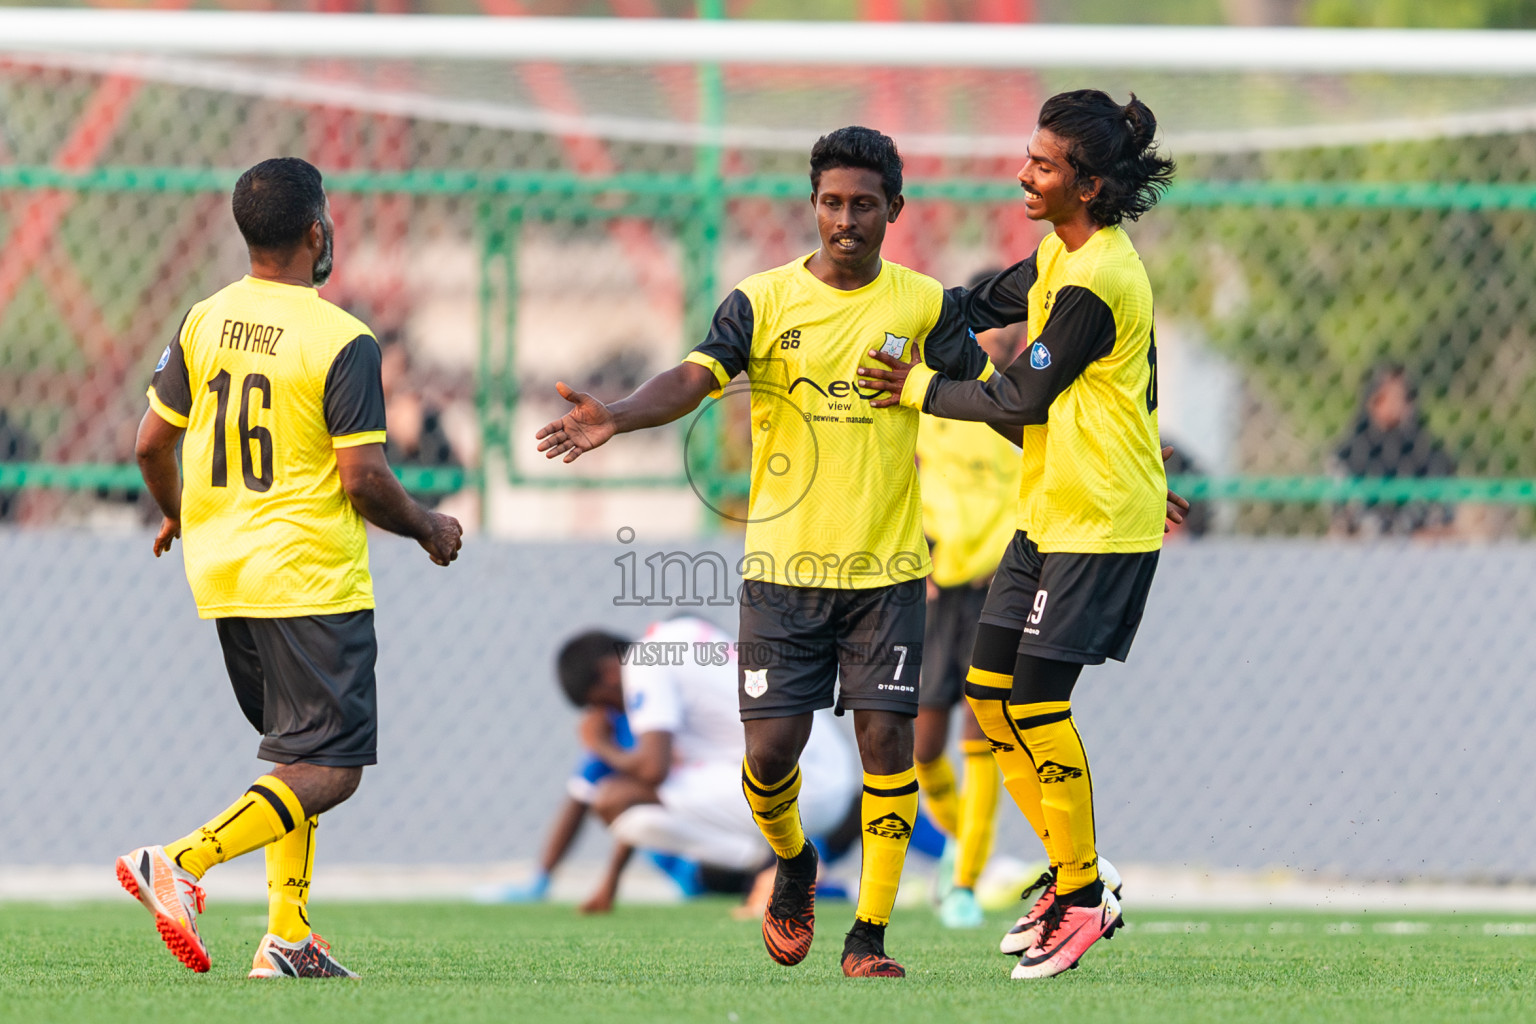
{"type": "Point", "coordinates": [276, 399]}
{"type": "Point", "coordinates": [970, 479]}
{"type": "Point", "coordinates": [1082, 404]}
{"type": "Point", "coordinates": [832, 599]}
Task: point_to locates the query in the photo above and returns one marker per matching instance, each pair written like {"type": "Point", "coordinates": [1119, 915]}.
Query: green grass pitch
{"type": "Point", "coordinates": [453, 962]}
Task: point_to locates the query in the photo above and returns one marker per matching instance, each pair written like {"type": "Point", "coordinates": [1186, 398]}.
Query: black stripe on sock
{"type": "Point", "coordinates": [746, 780]}
{"type": "Point", "coordinates": [910, 787]}
{"type": "Point", "coordinates": [978, 692]}
{"type": "Point", "coordinates": [232, 817]}
{"type": "Point", "coordinates": [276, 802]}
{"type": "Point", "coordinates": [1038, 720]}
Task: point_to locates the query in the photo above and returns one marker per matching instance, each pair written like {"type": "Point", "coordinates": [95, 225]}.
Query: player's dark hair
{"type": "Point", "coordinates": [276, 201]}
{"type": "Point", "coordinates": [578, 666]}
{"type": "Point", "coordinates": [859, 147]}
{"type": "Point", "coordinates": [1114, 144]}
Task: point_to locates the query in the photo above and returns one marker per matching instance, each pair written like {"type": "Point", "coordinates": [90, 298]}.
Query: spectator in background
{"type": "Point", "coordinates": [1390, 441]}
{"type": "Point", "coordinates": [416, 434]}
{"type": "Point", "coordinates": [16, 445]}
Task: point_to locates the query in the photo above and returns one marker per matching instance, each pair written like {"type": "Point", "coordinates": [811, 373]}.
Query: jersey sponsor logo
{"type": "Point", "coordinates": [1039, 356]}
{"type": "Point", "coordinates": [998, 746]}
{"type": "Point", "coordinates": [165, 357]}
{"type": "Point", "coordinates": [894, 346]}
{"type": "Point", "coordinates": [836, 389]}
{"type": "Point", "coordinates": [890, 826]}
{"type": "Point", "coordinates": [1050, 771]}
{"type": "Point", "coordinates": [755, 682]}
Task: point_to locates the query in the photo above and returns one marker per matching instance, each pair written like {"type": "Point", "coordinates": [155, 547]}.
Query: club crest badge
{"type": "Point", "coordinates": [755, 682]}
{"type": "Point", "coordinates": [894, 346]}
{"type": "Point", "coordinates": [1039, 356]}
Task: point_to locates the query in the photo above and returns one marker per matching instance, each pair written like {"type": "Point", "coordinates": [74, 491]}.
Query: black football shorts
{"type": "Point", "coordinates": [307, 685]}
{"type": "Point", "coordinates": [804, 648]}
{"type": "Point", "coordinates": [1069, 606]}
{"type": "Point", "coordinates": [947, 643]}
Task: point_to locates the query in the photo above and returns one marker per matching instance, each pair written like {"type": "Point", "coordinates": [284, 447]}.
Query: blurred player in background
{"type": "Point", "coordinates": [1083, 402]}
{"type": "Point", "coordinates": [832, 598]}
{"type": "Point", "coordinates": [677, 789]}
{"type": "Point", "coordinates": [275, 397]}
{"type": "Point", "coordinates": [566, 825]}
{"type": "Point", "coordinates": [970, 479]}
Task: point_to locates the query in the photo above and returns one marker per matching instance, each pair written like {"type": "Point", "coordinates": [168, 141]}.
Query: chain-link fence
{"type": "Point", "coordinates": [1331, 709]}
{"type": "Point", "coordinates": [1345, 327]}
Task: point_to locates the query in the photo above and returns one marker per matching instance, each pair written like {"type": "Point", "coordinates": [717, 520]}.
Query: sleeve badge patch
{"type": "Point", "coordinates": [165, 357]}
{"type": "Point", "coordinates": [1039, 356]}
{"type": "Point", "coordinates": [755, 682]}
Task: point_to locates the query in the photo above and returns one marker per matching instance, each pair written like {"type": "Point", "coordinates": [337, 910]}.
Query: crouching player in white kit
{"type": "Point", "coordinates": [678, 789]}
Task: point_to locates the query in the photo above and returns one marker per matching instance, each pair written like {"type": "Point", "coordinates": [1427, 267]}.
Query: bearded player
{"type": "Point", "coordinates": [1083, 398]}
{"type": "Point", "coordinates": [276, 400]}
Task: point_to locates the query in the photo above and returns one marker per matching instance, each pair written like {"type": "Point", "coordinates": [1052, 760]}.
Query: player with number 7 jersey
{"type": "Point", "coordinates": [276, 400]}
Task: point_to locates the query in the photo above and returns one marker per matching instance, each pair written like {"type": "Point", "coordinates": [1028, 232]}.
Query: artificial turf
{"type": "Point", "coordinates": [456, 962]}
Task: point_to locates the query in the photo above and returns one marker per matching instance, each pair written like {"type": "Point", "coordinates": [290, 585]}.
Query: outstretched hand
{"type": "Point", "coordinates": [890, 381]}
{"type": "Point", "coordinates": [1177, 506]}
{"type": "Point", "coordinates": [587, 425]}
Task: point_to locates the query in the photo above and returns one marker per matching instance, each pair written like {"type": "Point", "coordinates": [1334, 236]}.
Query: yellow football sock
{"type": "Point", "coordinates": [888, 809]}
{"type": "Point", "coordinates": [1067, 788]}
{"type": "Point", "coordinates": [290, 866]}
{"type": "Point", "coordinates": [1019, 775]}
{"type": "Point", "coordinates": [978, 812]}
{"type": "Point", "coordinates": [266, 811]}
{"type": "Point", "coordinates": [776, 809]}
{"type": "Point", "coordinates": [936, 778]}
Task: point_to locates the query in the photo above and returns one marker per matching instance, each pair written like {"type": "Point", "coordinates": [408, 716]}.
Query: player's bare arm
{"type": "Point", "coordinates": [668, 396]}
{"type": "Point", "coordinates": [378, 497]}
{"type": "Point", "coordinates": [648, 762]}
{"type": "Point", "coordinates": [156, 452]}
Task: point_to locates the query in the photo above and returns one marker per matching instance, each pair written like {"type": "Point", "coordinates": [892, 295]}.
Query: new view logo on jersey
{"type": "Point", "coordinates": [894, 346]}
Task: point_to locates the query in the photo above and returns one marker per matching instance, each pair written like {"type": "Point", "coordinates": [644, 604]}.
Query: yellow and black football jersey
{"type": "Point", "coordinates": [970, 479]}
{"type": "Point", "coordinates": [1085, 390]}
{"type": "Point", "coordinates": [269, 380]}
{"type": "Point", "coordinates": [834, 499]}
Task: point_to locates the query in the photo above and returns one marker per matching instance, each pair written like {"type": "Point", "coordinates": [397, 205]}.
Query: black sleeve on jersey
{"type": "Point", "coordinates": [951, 346]}
{"type": "Point", "coordinates": [171, 383]}
{"type": "Point", "coordinates": [1000, 301]}
{"type": "Point", "coordinates": [729, 342]}
{"type": "Point", "coordinates": [354, 389]}
{"type": "Point", "coordinates": [1080, 330]}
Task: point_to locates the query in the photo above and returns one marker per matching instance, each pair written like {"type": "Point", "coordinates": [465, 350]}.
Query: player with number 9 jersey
{"type": "Point", "coordinates": [269, 379]}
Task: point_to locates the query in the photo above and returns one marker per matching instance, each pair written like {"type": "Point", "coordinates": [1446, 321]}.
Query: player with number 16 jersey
{"type": "Point", "coordinates": [275, 399]}
{"type": "Point", "coordinates": [283, 378]}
